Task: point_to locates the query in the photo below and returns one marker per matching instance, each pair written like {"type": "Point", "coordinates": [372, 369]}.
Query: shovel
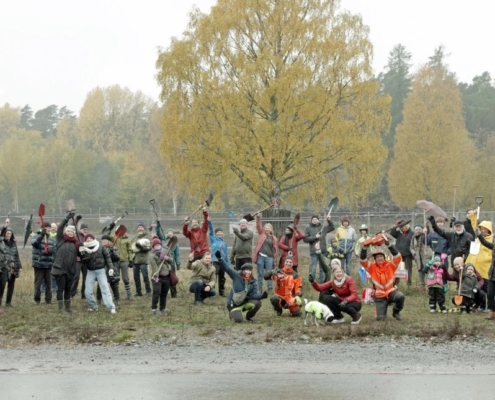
{"type": "Point", "coordinates": [479, 201]}
{"type": "Point", "coordinates": [41, 214]}
{"type": "Point", "coordinates": [293, 241]}
{"type": "Point", "coordinates": [207, 203]}
{"type": "Point", "coordinates": [107, 229]}
{"type": "Point", "coordinates": [119, 232]}
{"type": "Point", "coordinates": [250, 217]}
{"type": "Point", "coordinates": [458, 298]}
{"type": "Point", "coordinates": [333, 204]}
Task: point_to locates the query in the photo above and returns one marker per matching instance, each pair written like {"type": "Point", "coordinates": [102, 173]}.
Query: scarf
{"type": "Point", "coordinates": [339, 283]}
{"type": "Point", "coordinates": [160, 254]}
{"type": "Point", "coordinates": [69, 239]}
{"type": "Point", "coordinates": [90, 247]}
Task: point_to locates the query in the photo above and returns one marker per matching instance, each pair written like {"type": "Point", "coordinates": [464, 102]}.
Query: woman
{"type": "Point", "coordinates": [160, 276]}
{"type": "Point", "coordinates": [14, 266]}
{"type": "Point", "coordinates": [64, 265]}
{"type": "Point", "coordinates": [344, 297]}
{"type": "Point", "coordinates": [490, 284]}
{"type": "Point", "coordinates": [483, 259]}
{"type": "Point", "coordinates": [288, 245]}
{"type": "Point", "coordinates": [265, 251]}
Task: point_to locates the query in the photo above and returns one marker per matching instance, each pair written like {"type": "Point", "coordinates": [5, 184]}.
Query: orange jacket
{"type": "Point", "coordinates": [286, 286]}
{"type": "Point", "coordinates": [382, 275]}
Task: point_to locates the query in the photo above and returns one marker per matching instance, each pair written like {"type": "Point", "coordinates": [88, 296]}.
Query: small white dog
{"type": "Point", "coordinates": [316, 310]}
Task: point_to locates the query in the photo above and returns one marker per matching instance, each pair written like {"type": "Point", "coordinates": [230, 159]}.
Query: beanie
{"type": "Point", "coordinates": [106, 237]}
{"type": "Point", "coordinates": [315, 216]}
{"type": "Point", "coordinates": [437, 259]}
{"type": "Point", "coordinates": [71, 228]}
{"type": "Point", "coordinates": [243, 221]}
{"type": "Point", "coordinates": [470, 266]}
{"type": "Point", "coordinates": [156, 241]}
{"type": "Point", "coordinates": [345, 218]}
{"type": "Point", "coordinates": [246, 266]}
{"type": "Point", "coordinates": [89, 235]}
{"type": "Point", "coordinates": [418, 226]}
{"type": "Point", "coordinates": [218, 230]}
{"type": "Point", "coordinates": [47, 225]}
{"type": "Point", "coordinates": [141, 224]}
{"type": "Point", "coordinates": [170, 230]}
{"type": "Point", "coordinates": [84, 226]}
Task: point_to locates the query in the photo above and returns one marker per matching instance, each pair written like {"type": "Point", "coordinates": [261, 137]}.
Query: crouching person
{"type": "Point", "coordinates": [382, 274]}
{"type": "Point", "coordinates": [202, 282]}
{"type": "Point", "coordinates": [113, 275]}
{"type": "Point", "coordinates": [287, 291]}
{"type": "Point", "coordinates": [244, 294]}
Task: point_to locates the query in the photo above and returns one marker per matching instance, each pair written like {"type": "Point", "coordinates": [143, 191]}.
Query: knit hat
{"type": "Point", "coordinates": [469, 266]}
{"type": "Point", "coordinates": [84, 226]}
{"type": "Point", "coordinates": [71, 228]}
{"type": "Point", "coordinates": [437, 259]}
{"type": "Point", "coordinates": [244, 220]}
{"type": "Point", "coordinates": [141, 224]}
{"type": "Point", "coordinates": [345, 218]}
{"type": "Point", "coordinates": [218, 230]}
{"type": "Point", "coordinates": [156, 241]}
{"type": "Point", "coordinates": [458, 223]}
{"type": "Point", "coordinates": [246, 266]}
{"type": "Point", "coordinates": [106, 237]}
{"type": "Point", "coordinates": [335, 261]}
{"type": "Point", "coordinates": [89, 235]}
{"type": "Point", "coordinates": [47, 225]}
{"type": "Point", "coordinates": [418, 226]}
{"type": "Point", "coordinates": [315, 216]}
{"type": "Point", "coordinates": [290, 227]}
{"type": "Point", "coordinates": [170, 230]}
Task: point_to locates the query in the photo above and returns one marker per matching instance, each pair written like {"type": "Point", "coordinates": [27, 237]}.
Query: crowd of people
{"type": "Point", "coordinates": [64, 254]}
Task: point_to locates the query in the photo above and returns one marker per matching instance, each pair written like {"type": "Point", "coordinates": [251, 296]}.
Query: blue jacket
{"type": "Point", "coordinates": [439, 245]}
{"type": "Point", "coordinates": [217, 244]}
{"type": "Point", "coordinates": [239, 284]}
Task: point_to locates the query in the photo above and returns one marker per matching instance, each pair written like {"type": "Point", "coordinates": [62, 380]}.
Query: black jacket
{"type": "Point", "coordinates": [66, 255]}
{"type": "Point", "coordinates": [97, 260]}
{"type": "Point", "coordinates": [403, 242]}
{"type": "Point", "coordinates": [459, 244]}
{"type": "Point", "coordinates": [11, 252]}
{"type": "Point", "coordinates": [42, 259]}
{"type": "Point", "coordinates": [310, 236]}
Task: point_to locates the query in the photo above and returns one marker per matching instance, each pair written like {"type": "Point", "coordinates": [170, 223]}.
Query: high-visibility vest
{"type": "Point", "coordinates": [383, 276]}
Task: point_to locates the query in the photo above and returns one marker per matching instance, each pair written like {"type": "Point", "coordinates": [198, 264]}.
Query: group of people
{"type": "Point", "coordinates": [62, 254]}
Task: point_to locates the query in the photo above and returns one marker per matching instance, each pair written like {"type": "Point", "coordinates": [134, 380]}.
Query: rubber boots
{"type": "Point", "coordinates": [68, 307]}
{"type": "Point", "coordinates": [61, 307]}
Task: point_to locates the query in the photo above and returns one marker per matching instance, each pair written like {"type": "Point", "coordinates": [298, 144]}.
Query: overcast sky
{"type": "Point", "coordinates": [54, 51]}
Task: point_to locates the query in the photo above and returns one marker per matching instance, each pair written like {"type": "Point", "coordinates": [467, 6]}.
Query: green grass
{"type": "Point", "coordinates": [28, 324]}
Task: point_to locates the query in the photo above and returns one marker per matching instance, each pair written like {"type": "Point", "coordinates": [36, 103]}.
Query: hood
{"type": "Point", "coordinates": [487, 225]}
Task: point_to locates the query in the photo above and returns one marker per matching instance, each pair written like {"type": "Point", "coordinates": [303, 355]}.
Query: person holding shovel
{"type": "Point", "coordinates": [197, 236]}
{"type": "Point", "coordinates": [242, 249]}
{"type": "Point", "coordinates": [140, 247]}
{"type": "Point", "coordinates": [160, 276]}
{"type": "Point", "coordinates": [173, 253]}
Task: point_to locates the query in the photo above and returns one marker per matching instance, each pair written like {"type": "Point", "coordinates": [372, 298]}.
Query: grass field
{"type": "Point", "coordinates": [31, 325]}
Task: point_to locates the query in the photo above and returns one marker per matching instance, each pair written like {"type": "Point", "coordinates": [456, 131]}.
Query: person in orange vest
{"type": "Point", "coordinates": [287, 291]}
{"type": "Point", "coordinates": [382, 274]}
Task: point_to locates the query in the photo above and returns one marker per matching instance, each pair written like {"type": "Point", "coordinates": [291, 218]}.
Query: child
{"type": "Point", "coordinates": [160, 276]}
{"type": "Point", "coordinates": [334, 251]}
{"type": "Point", "coordinates": [114, 279]}
{"type": "Point", "coordinates": [435, 271]}
{"type": "Point", "coordinates": [469, 288]}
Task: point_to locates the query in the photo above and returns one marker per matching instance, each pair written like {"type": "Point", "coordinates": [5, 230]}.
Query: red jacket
{"type": "Point", "coordinates": [284, 244]}
{"type": "Point", "coordinates": [347, 291]}
{"type": "Point", "coordinates": [261, 240]}
{"type": "Point", "coordinates": [197, 237]}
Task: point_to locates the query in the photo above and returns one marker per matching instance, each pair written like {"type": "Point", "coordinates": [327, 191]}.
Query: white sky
{"type": "Point", "coordinates": [54, 51]}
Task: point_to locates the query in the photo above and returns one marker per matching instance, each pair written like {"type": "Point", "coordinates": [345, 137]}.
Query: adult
{"type": "Point", "coordinates": [265, 251]}
{"type": "Point", "coordinates": [343, 297]}
{"type": "Point", "coordinates": [140, 247]}
{"type": "Point", "coordinates": [97, 260]}
{"type": "Point", "coordinates": [364, 235]}
{"type": "Point", "coordinates": [288, 245]}
{"type": "Point", "coordinates": [403, 236]}
{"type": "Point", "coordinates": [173, 253]}
{"type": "Point", "coordinates": [124, 249]}
{"type": "Point", "coordinates": [4, 272]}
{"type": "Point", "coordinates": [459, 240]}
{"type": "Point", "coordinates": [197, 236]}
{"type": "Point", "coordinates": [421, 252]}
{"type": "Point", "coordinates": [218, 244]}
{"type": "Point", "coordinates": [64, 264]}
{"type": "Point", "coordinates": [288, 289]}
{"type": "Point", "coordinates": [382, 274]}
{"type": "Point", "coordinates": [490, 284]}
{"type": "Point", "coordinates": [160, 276]}
{"type": "Point", "coordinates": [346, 236]}
{"type": "Point", "coordinates": [469, 223]}
{"type": "Point", "coordinates": [113, 274]}
{"type": "Point", "coordinates": [482, 260]}
{"type": "Point", "coordinates": [80, 268]}
{"type": "Point", "coordinates": [53, 233]}
{"type": "Point", "coordinates": [242, 249]}
{"type": "Point", "coordinates": [202, 281]}
{"type": "Point", "coordinates": [43, 254]}
{"type": "Point", "coordinates": [439, 244]}
{"type": "Point", "coordinates": [316, 232]}
{"type": "Point", "coordinates": [244, 294]}
{"type": "Point", "coordinates": [12, 255]}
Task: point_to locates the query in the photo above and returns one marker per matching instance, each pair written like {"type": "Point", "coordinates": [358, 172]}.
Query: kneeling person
{"type": "Point", "coordinates": [203, 278]}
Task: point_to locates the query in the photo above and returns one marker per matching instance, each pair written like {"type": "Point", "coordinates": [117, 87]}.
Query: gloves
{"type": "Point", "coordinates": [311, 279]}
{"type": "Point", "coordinates": [78, 218]}
{"type": "Point", "coordinates": [431, 218]}
{"type": "Point", "coordinates": [43, 232]}
{"type": "Point", "coordinates": [452, 220]}
{"type": "Point", "coordinates": [343, 304]}
{"type": "Point", "coordinates": [264, 295]}
{"type": "Point", "coordinates": [70, 215]}
{"type": "Point", "coordinates": [111, 226]}
{"type": "Point", "coordinates": [477, 232]}
{"type": "Point", "coordinates": [131, 264]}
{"type": "Point", "coordinates": [475, 290]}
{"type": "Point", "coordinates": [218, 255]}
{"type": "Point", "coordinates": [387, 242]}
{"type": "Point", "coordinates": [443, 257]}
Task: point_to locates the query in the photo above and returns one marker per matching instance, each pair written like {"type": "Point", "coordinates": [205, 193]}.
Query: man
{"type": "Point", "coordinates": [218, 244]}
{"type": "Point", "coordinates": [468, 222]}
{"type": "Point", "coordinates": [43, 254]}
{"type": "Point", "coordinates": [403, 236]}
{"type": "Point", "coordinates": [440, 245]}
{"type": "Point", "coordinates": [202, 282]}
{"type": "Point", "coordinates": [346, 235]}
{"type": "Point", "coordinates": [197, 236]}
{"type": "Point", "coordinates": [421, 252]}
{"type": "Point", "coordinates": [382, 275]}
{"type": "Point", "coordinates": [53, 233]}
{"type": "Point", "coordinates": [80, 267]}
{"type": "Point", "coordinates": [314, 233]}
{"type": "Point", "coordinates": [140, 247]}
{"type": "Point", "coordinates": [242, 249]}
{"type": "Point", "coordinates": [459, 240]}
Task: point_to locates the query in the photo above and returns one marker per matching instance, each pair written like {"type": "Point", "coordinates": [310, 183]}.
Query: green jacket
{"type": "Point", "coordinates": [157, 267]}
{"type": "Point", "coordinates": [140, 255]}
{"type": "Point", "coordinates": [123, 246]}
{"type": "Point", "coordinates": [202, 272]}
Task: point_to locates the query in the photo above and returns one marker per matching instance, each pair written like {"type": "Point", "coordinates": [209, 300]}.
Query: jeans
{"type": "Point", "coordinates": [143, 269]}
{"type": "Point", "coordinates": [314, 263]}
{"type": "Point", "coordinates": [42, 275]}
{"type": "Point", "coordinates": [64, 287]}
{"type": "Point", "coordinates": [198, 288]}
{"type": "Point", "coordinates": [160, 291]}
{"type": "Point", "coordinates": [346, 263]}
{"type": "Point", "coordinates": [100, 276]}
{"type": "Point", "coordinates": [264, 263]}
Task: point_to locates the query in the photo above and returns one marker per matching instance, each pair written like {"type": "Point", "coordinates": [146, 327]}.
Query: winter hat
{"type": "Point", "coordinates": [218, 230]}
{"type": "Point", "coordinates": [244, 220]}
{"type": "Point", "coordinates": [106, 237]}
{"type": "Point", "coordinates": [71, 228]}
{"type": "Point", "coordinates": [290, 227]}
{"type": "Point", "coordinates": [315, 216]}
{"type": "Point", "coordinates": [170, 230]}
{"type": "Point", "coordinates": [437, 259]}
{"type": "Point", "coordinates": [458, 223]}
{"type": "Point", "coordinates": [84, 226]}
{"type": "Point", "coordinates": [156, 241]}
{"type": "Point", "coordinates": [337, 263]}
{"type": "Point", "coordinates": [246, 266]}
{"type": "Point", "coordinates": [469, 266]}
{"type": "Point", "coordinates": [418, 226]}
{"type": "Point", "coordinates": [47, 225]}
{"type": "Point", "coordinates": [345, 218]}
{"type": "Point", "coordinates": [141, 224]}
{"type": "Point", "coordinates": [89, 235]}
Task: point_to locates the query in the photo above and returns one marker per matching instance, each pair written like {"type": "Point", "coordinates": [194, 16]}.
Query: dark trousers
{"type": "Point", "coordinates": [160, 291]}
{"type": "Point", "coordinates": [381, 303]}
{"type": "Point", "coordinates": [114, 286]}
{"type": "Point", "coordinates": [80, 268]}
{"type": "Point", "coordinates": [490, 286]}
{"type": "Point", "coordinates": [137, 270]}
{"type": "Point", "coordinates": [3, 282]}
{"type": "Point", "coordinates": [466, 305]}
{"type": "Point", "coordinates": [40, 275]}
{"type": "Point", "coordinates": [437, 296]}
{"type": "Point", "coordinates": [251, 312]}
{"type": "Point", "coordinates": [333, 302]}
{"type": "Point", "coordinates": [173, 289]}
{"type": "Point", "coordinates": [239, 262]}
{"type": "Point", "coordinates": [198, 288]}
{"type": "Point", "coordinates": [64, 287]}
{"type": "Point", "coordinates": [221, 277]}
{"type": "Point", "coordinates": [408, 262]}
